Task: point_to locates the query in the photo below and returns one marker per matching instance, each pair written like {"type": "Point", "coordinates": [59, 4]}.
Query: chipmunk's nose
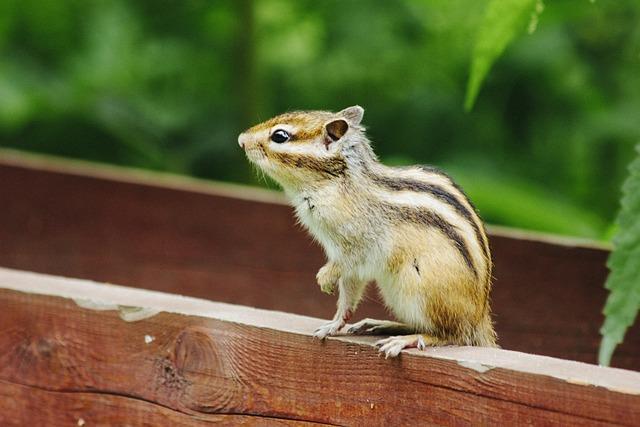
{"type": "Point", "coordinates": [242, 140]}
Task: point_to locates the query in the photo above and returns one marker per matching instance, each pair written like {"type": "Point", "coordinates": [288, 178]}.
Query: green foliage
{"type": "Point", "coordinates": [624, 262]}
{"type": "Point", "coordinates": [169, 85]}
{"type": "Point", "coordinates": [502, 21]}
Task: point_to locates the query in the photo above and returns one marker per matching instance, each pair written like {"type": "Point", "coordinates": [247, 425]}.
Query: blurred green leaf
{"type": "Point", "coordinates": [502, 20]}
{"type": "Point", "coordinates": [624, 263]}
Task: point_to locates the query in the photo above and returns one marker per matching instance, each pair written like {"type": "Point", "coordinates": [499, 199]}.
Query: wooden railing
{"type": "Point", "coordinates": [74, 352]}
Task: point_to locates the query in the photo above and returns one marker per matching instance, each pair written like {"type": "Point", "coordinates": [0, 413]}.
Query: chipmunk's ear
{"type": "Point", "coordinates": [335, 130]}
{"type": "Point", "coordinates": [353, 114]}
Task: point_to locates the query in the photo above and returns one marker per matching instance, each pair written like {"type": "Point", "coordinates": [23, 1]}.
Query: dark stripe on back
{"type": "Point", "coordinates": [484, 240]}
{"type": "Point", "coordinates": [437, 171]}
{"type": "Point", "coordinates": [432, 219]}
{"type": "Point", "coordinates": [400, 184]}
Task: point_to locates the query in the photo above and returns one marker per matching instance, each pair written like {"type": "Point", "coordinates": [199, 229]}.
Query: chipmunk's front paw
{"type": "Point", "coordinates": [329, 329]}
{"type": "Point", "coordinates": [327, 278]}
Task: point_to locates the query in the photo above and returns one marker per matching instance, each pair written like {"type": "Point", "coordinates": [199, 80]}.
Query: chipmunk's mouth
{"type": "Point", "coordinates": [256, 155]}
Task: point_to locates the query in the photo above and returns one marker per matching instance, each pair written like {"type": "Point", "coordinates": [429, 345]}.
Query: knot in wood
{"type": "Point", "coordinates": [197, 368]}
{"type": "Point", "coordinates": [169, 376]}
{"type": "Point", "coordinates": [35, 351]}
{"type": "Point", "coordinates": [195, 353]}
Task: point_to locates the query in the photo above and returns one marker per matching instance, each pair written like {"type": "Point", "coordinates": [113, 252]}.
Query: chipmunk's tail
{"type": "Point", "coordinates": [484, 335]}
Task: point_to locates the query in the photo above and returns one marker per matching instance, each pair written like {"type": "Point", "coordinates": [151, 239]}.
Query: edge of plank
{"type": "Point", "coordinates": [174, 181]}
{"type": "Point", "coordinates": [137, 304]}
{"type": "Point", "coordinates": [553, 239]}
{"type": "Point", "coordinates": [123, 174]}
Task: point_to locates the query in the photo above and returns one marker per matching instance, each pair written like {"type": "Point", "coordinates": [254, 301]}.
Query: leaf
{"type": "Point", "coordinates": [624, 264]}
{"type": "Point", "coordinates": [502, 20]}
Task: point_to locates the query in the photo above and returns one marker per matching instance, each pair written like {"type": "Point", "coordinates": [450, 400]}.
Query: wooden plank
{"type": "Point", "coordinates": [239, 245]}
{"type": "Point", "coordinates": [68, 352]}
{"type": "Point", "coordinates": [27, 405]}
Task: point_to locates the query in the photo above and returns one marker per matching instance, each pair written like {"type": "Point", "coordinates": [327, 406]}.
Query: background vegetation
{"type": "Point", "coordinates": [168, 85]}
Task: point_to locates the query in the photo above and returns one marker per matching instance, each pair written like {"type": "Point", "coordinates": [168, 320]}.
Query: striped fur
{"type": "Point", "coordinates": [412, 230]}
{"type": "Point", "coordinates": [429, 218]}
{"type": "Point", "coordinates": [450, 194]}
{"type": "Point", "coordinates": [473, 212]}
{"type": "Point", "coordinates": [403, 184]}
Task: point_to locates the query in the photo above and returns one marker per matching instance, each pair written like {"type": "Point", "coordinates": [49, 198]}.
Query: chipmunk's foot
{"type": "Point", "coordinates": [333, 327]}
{"type": "Point", "coordinates": [379, 327]}
{"type": "Point", "coordinates": [329, 329]}
{"type": "Point", "coordinates": [392, 346]}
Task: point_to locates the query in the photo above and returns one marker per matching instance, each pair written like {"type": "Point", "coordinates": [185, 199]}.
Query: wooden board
{"type": "Point", "coordinates": [74, 350]}
{"type": "Point", "coordinates": [26, 405]}
{"type": "Point", "coordinates": [240, 245]}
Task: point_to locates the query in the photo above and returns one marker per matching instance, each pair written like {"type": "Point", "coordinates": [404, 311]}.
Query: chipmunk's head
{"type": "Point", "coordinates": [305, 147]}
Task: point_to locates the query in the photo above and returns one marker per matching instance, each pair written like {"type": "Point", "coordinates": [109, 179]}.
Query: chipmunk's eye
{"type": "Point", "coordinates": [280, 136]}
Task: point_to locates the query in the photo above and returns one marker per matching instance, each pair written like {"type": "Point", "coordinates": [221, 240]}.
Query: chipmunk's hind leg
{"type": "Point", "coordinates": [379, 327]}
{"type": "Point", "coordinates": [392, 346]}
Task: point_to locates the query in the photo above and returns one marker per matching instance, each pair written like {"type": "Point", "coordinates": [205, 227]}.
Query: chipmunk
{"type": "Point", "coordinates": [410, 229]}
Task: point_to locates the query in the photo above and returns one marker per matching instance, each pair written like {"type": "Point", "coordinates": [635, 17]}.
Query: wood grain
{"type": "Point", "coordinates": [27, 405]}
{"type": "Point", "coordinates": [239, 245]}
{"type": "Point", "coordinates": [60, 363]}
